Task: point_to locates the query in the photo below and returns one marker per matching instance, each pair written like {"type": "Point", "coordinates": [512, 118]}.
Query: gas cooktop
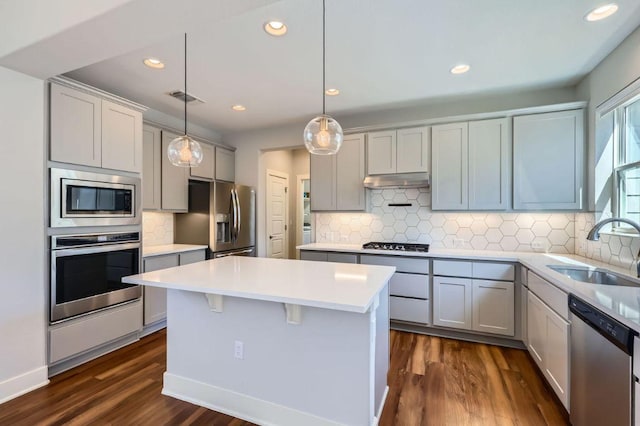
{"type": "Point", "coordinates": [421, 248]}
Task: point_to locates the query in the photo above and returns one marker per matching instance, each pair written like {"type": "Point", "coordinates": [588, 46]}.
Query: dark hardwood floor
{"type": "Point", "coordinates": [433, 381]}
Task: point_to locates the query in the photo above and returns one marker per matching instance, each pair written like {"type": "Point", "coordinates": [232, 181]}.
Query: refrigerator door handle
{"type": "Point", "coordinates": [239, 210]}
{"type": "Point", "coordinates": [234, 200]}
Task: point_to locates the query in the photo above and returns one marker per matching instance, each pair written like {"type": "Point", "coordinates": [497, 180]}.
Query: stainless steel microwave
{"type": "Point", "coordinates": [81, 198]}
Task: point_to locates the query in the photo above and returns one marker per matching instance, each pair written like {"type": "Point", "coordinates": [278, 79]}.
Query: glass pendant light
{"type": "Point", "coordinates": [323, 134]}
{"type": "Point", "coordinates": [184, 151]}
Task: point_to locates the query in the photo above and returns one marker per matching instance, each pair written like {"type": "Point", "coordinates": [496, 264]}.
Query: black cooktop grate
{"type": "Point", "coordinates": [420, 248]}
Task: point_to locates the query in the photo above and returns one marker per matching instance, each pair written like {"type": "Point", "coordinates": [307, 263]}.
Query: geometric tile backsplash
{"type": "Point", "coordinates": [157, 228]}
{"type": "Point", "coordinates": [542, 232]}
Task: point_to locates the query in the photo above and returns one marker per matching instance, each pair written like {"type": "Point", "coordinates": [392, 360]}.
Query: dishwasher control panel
{"type": "Point", "coordinates": [616, 332]}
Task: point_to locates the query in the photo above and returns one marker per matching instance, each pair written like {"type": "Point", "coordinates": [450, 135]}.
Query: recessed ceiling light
{"type": "Point", "coordinates": [332, 92]}
{"type": "Point", "coordinates": [460, 69]}
{"type": "Point", "coordinates": [154, 63]}
{"type": "Point", "coordinates": [239, 108]}
{"type": "Point", "coordinates": [275, 28]}
{"type": "Point", "coordinates": [601, 12]}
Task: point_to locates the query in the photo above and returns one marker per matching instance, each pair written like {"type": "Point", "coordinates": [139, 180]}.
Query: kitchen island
{"type": "Point", "coordinates": [277, 341]}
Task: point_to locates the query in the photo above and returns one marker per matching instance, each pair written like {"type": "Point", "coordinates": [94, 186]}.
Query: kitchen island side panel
{"type": "Point", "coordinates": [327, 366]}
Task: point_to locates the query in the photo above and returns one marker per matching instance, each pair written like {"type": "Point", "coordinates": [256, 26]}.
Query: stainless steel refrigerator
{"type": "Point", "coordinates": [221, 215]}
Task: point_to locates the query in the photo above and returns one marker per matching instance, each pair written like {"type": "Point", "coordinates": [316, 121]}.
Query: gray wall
{"type": "Point", "coordinates": [22, 254]}
{"type": "Point", "coordinates": [613, 74]}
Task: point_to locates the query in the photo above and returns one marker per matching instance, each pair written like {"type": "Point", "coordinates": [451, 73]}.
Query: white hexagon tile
{"type": "Point", "coordinates": [542, 232]}
{"type": "Point", "coordinates": [619, 250]}
{"type": "Point", "coordinates": [157, 228]}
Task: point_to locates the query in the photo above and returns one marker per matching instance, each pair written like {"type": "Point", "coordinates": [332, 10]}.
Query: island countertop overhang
{"type": "Point", "coordinates": [336, 286]}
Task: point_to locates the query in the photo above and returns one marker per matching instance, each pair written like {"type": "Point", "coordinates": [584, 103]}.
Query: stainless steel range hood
{"type": "Point", "coordinates": [399, 180]}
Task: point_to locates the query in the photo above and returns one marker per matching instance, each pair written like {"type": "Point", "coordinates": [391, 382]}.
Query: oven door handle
{"type": "Point", "coordinates": [94, 249]}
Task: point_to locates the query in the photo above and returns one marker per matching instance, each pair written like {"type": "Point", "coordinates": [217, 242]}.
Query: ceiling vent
{"type": "Point", "coordinates": [179, 95]}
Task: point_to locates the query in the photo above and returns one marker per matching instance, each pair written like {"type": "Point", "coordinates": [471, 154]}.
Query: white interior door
{"type": "Point", "coordinates": [277, 206]}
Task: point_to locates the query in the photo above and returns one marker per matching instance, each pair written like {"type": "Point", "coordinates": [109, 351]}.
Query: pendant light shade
{"type": "Point", "coordinates": [323, 134]}
{"type": "Point", "coordinates": [184, 151]}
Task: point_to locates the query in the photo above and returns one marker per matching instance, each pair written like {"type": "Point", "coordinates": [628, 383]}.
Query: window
{"type": "Point", "coordinates": [626, 136]}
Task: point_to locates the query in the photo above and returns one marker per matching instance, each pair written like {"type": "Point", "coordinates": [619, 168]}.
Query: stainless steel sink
{"type": "Point", "coordinates": [594, 276]}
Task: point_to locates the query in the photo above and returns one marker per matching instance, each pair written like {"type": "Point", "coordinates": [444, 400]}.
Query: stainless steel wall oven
{"type": "Point", "coordinates": [93, 199]}
{"type": "Point", "coordinates": [86, 272]}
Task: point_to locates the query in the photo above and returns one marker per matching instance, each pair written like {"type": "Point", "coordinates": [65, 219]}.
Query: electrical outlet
{"type": "Point", "coordinates": [538, 245]}
{"type": "Point", "coordinates": [238, 349]}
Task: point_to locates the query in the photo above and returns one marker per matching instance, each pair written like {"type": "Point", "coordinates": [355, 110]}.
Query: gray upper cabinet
{"type": "Point", "coordinates": [489, 164]}
{"type": "Point", "coordinates": [225, 164]}
{"type": "Point", "coordinates": [548, 161]}
{"type": "Point", "coordinates": [337, 180]}
{"type": "Point", "coordinates": [381, 152]}
{"type": "Point", "coordinates": [412, 150]}
{"type": "Point", "coordinates": [174, 181]}
{"type": "Point", "coordinates": [450, 166]}
{"type": "Point", "coordinates": [401, 151]}
{"type": "Point", "coordinates": [121, 137]}
{"type": "Point", "coordinates": [96, 132]}
{"type": "Point", "coordinates": [206, 169]}
{"type": "Point", "coordinates": [75, 126]}
{"type": "Point", "coordinates": [470, 163]}
{"type": "Point", "coordinates": [151, 172]}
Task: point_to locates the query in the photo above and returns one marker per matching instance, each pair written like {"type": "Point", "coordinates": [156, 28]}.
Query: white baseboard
{"type": "Point", "coordinates": [23, 383]}
{"type": "Point", "coordinates": [376, 419]}
{"type": "Point", "coordinates": [238, 405]}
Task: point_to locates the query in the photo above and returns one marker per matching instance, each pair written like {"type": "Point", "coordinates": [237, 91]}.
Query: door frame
{"type": "Point", "coordinates": [300, 210]}
{"type": "Point", "coordinates": [271, 172]}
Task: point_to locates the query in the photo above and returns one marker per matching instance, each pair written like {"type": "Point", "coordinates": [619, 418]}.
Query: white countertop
{"type": "Point", "coordinates": [620, 302]}
{"type": "Point", "coordinates": [148, 251]}
{"type": "Point", "coordinates": [337, 286]}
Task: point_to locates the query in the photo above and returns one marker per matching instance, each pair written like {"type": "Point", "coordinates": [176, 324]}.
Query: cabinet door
{"type": "Point", "coordinates": [489, 159]}
{"type": "Point", "coordinates": [75, 126]}
{"type": "Point", "coordinates": [192, 257]}
{"type": "Point", "coordinates": [381, 152]}
{"type": "Point", "coordinates": [323, 182]}
{"type": "Point", "coordinates": [452, 302]}
{"type": "Point", "coordinates": [121, 137]}
{"type": "Point", "coordinates": [536, 329]}
{"type": "Point", "coordinates": [175, 180]}
{"type": "Point", "coordinates": [205, 170]}
{"type": "Point", "coordinates": [493, 307]}
{"type": "Point", "coordinates": [413, 147]}
{"type": "Point", "coordinates": [350, 192]}
{"type": "Point", "coordinates": [556, 356]}
{"type": "Point", "coordinates": [449, 164]}
{"type": "Point", "coordinates": [151, 147]}
{"type": "Point", "coordinates": [155, 299]}
{"type": "Point", "coordinates": [225, 164]}
{"type": "Point", "coordinates": [548, 161]}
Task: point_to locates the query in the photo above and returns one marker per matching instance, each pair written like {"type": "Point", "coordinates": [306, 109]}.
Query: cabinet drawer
{"type": "Point", "coordinates": [636, 364]}
{"type": "Point", "coordinates": [342, 258]}
{"type": "Point", "coordinates": [192, 257]}
{"type": "Point", "coordinates": [452, 268]}
{"type": "Point", "coordinates": [402, 264]}
{"type": "Point", "coordinates": [316, 256]}
{"type": "Point", "coordinates": [414, 310]}
{"type": "Point", "coordinates": [555, 298]}
{"type": "Point", "coordinates": [494, 271]}
{"type": "Point", "coordinates": [155, 263]}
{"type": "Point", "coordinates": [409, 285]}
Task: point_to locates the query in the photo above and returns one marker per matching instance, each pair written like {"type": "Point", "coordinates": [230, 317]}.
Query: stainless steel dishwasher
{"type": "Point", "coordinates": [601, 367]}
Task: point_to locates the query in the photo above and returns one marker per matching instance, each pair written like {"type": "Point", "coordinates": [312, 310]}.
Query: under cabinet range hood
{"type": "Point", "coordinates": [398, 180]}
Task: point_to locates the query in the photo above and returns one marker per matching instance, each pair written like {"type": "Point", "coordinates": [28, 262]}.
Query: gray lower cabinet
{"type": "Point", "coordinates": [408, 287]}
{"type": "Point", "coordinates": [323, 256]}
{"type": "Point", "coordinates": [155, 299]}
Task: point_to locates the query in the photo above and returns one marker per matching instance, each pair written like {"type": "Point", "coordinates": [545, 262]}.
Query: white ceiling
{"type": "Point", "coordinates": [379, 53]}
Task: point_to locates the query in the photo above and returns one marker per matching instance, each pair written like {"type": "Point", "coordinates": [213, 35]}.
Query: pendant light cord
{"type": "Point", "coordinates": [185, 84]}
{"type": "Point", "coordinates": [324, 55]}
